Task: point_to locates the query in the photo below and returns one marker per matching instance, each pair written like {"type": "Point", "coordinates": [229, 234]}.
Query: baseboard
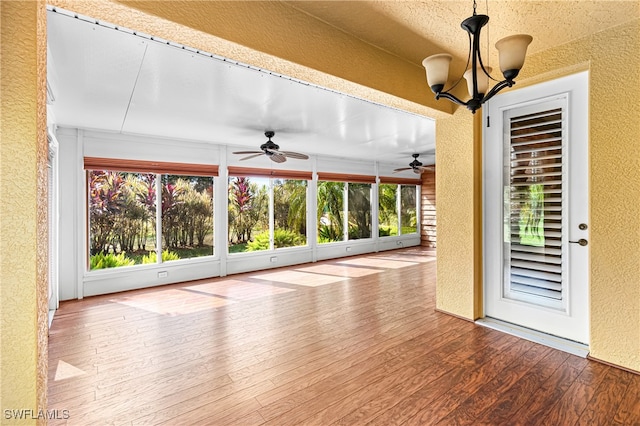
{"type": "Point", "coordinates": [52, 312]}
{"type": "Point", "coordinates": [565, 345]}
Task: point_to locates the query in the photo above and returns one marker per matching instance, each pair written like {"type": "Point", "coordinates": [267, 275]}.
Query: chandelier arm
{"type": "Point", "coordinates": [498, 87]}
{"type": "Point", "coordinates": [451, 97]}
{"type": "Point", "coordinates": [483, 68]}
{"type": "Point", "coordinates": [465, 67]}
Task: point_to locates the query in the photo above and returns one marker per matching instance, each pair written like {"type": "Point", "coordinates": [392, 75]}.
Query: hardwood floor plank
{"type": "Point", "coordinates": [416, 400]}
{"type": "Point", "coordinates": [521, 392]}
{"type": "Point", "coordinates": [549, 392]}
{"type": "Point", "coordinates": [607, 398]}
{"type": "Point", "coordinates": [470, 410]}
{"type": "Point", "coordinates": [481, 367]}
{"type": "Point", "coordinates": [348, 341]}
{"type": "Point", "coordinates": [629, 409]}
{"type": "Point", "coordinates": [569, 407]}
{"type": "Point", "coordinates": [315, 398]}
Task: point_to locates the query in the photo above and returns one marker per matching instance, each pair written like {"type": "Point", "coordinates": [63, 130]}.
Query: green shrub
{"type": "Point", "coordinates": [328, 234]}
{"type": "Point", "coordinates": [384, 232]}
{"type": "Point", "coordinates": [109, 260]}
{"type": "Point", "coordinates": [409, 230]}
{"type": "Point", "coordinates": [281, 238]}
{"type": "Point", "coordinates": [166, 256]}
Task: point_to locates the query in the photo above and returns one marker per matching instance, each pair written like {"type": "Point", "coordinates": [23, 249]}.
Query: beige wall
{"type": "Point", "coordinates": [613, 62]}
{"type": "Point", "coordinates": [23, 221]}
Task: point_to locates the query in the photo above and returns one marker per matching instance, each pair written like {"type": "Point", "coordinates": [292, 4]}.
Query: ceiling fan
{"type": "Point", "coordinates": [272, 151]}
{"type": "Point", "coordinates": [415, 165]}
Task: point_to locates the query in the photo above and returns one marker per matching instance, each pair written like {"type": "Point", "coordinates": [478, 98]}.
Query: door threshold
{"type": "Point", "coordinates": [565, 345]}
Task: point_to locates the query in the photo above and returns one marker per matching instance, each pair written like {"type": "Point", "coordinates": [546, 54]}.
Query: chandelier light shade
{"type": "Point", "coordinates": [511, 50]}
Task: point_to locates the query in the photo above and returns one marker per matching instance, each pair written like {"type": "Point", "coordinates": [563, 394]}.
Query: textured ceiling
{"type": "Point", "coordinates": [413, 30]}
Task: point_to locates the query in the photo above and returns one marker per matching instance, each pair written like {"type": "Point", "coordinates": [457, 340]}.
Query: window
{"type": "Point", "coordinates": [125, 200]}
{"type": "Point", "coordinates": [387, 209]}
{"type": "Point", "coordinates": [248, 214]}
{"type": "Point", "coordinates": [359, 202]}
{"type": "Point", "coordinates": [267, 209]}
{"type": "Point", "coordinates": [122, 219]}
{"type": "Point", "coordinates": [187, 217]}
{"type": "Point", "coordinates": [344, 207]}
{"type": "Point", "coordinates": [330, 211]}
{"type": "Point", "coordinates": [408, 209]}
{"type": "Point", "coordinates": [289, 212]}
{"type": "Point", "coordinates": [394, 198]}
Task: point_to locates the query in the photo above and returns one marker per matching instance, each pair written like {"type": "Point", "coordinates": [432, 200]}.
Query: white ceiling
{"type": "Point", "coordinates": [111, 80]}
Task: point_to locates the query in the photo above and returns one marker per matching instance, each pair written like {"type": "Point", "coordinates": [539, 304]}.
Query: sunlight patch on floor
{"type": "Point", "coordinates": [173, 302]}
{"type": "Point", "coordinates": [65, 370]}
{"type": "Point", "coordinates": [300, 278]}
{"type": "Point", "coordinates": [340, 270]}
{"type": "Point", "coordinates": [238, 289]}
{"type": "Point", "coordinates": [378, 263]}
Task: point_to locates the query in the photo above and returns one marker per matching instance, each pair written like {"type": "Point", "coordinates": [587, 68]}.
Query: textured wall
{"type": "Point", "coordinates": [456, 205]}
{"type": "Point", "coordinates": [614, 149]}
{"type": "Point", "coordinates": [23, 213]}
{"type": "Point", "coordinates": [428, 209]}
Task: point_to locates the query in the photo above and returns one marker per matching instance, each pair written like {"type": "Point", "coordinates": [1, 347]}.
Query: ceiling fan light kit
{"type": "Point", "coordinates": [511, 50]}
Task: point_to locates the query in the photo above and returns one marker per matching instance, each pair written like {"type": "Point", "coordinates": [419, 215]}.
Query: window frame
{"type": "Point", "coordinates": [271, 175]}
{"type": "Point", "coordinates": [158, 169]}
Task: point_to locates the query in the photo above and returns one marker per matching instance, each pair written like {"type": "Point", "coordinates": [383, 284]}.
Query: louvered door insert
{"type": "Point", "coordinates": [534, 168]}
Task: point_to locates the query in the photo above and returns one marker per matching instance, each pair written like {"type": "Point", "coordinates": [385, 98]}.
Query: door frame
{"type": "Point", "coordinates": [575, 89]}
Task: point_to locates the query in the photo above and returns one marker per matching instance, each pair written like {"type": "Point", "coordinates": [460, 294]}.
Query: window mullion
{"type": "Point", "coordinates": [399, 209]}
{"type": "Point", "coordinates": [345, 212]}
{"type": "Point", "coordinates": [158, 218]}
{"type": "Point", "coordinates": [271, 216]}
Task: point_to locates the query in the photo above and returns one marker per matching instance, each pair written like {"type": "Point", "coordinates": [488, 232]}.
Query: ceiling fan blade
{"type": "Point", "coordinates": [251, 156]}
{"type": "Point", "coordinates": [247, 152]}
{"type": "Point", "coordinates": [278, 158]}
{"type": "Point", "coordinates": [402, 169]}
{"type": "Point", "coordinates": [295, 155]}
{"type": "Point", "coordinates": [425, 167]}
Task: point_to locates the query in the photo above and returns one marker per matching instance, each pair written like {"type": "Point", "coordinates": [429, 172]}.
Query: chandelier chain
{"type": "Point", "coordinates": [474, 7]}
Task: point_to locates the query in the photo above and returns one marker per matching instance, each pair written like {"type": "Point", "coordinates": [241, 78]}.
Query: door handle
{"type": "Point", "coordinates": [581, 241]}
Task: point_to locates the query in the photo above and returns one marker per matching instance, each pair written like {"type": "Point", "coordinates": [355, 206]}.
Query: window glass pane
{"type": "Point", "coordinates": [187, 217]}
{"type": "Point", "coordinates": [248, 214]}
{"type": "Point", "coordinates": [387, 209]}
{"type": "Point", "coordinates": [330, 211]}
{"type": "Point", "coordinates": [359, 211]}
{"type": "Point", "coordinates": [408, 214]}
{"type": "Point", "coordinates": [289, 213]}
{"type": "Point", "coordinates": [122, 213]}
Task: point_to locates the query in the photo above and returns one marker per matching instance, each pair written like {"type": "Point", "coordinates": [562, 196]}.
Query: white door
{"type": "Point", "coordinates": [536, 211]}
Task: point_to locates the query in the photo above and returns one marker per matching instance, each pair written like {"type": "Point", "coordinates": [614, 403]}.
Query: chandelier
{"type": "Point", "coordinates": [511, 51]}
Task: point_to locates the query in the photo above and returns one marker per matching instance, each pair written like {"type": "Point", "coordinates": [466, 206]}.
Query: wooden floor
{"type": "Point", "coordinates": [347, 342]}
